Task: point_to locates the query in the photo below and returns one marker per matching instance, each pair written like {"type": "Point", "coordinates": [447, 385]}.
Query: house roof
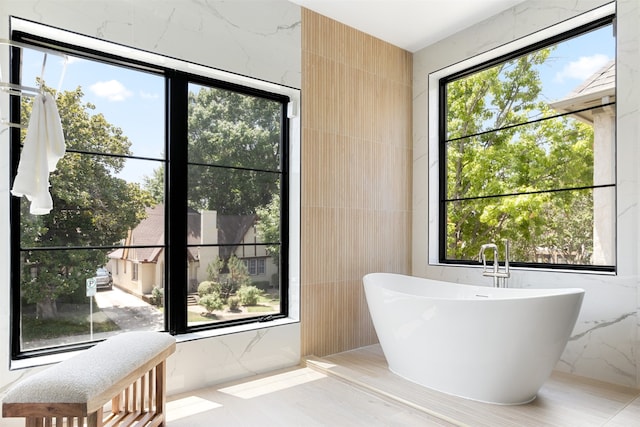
{"type": "Point", "coordinates": [602, 80]}
{"type": "Point", "coordinates": [149, 231]}
{"type": "Point", "coordinates": [231, 230]}
{"type": "Point", "coordinates": [597, 89]}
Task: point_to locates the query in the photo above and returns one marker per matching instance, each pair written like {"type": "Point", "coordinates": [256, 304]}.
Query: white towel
{"type": "Point", "coordinates": [43, 147]}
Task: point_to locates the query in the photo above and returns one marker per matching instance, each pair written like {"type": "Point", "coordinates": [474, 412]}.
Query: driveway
{"type": "Point", "coordinates": [129, 312]}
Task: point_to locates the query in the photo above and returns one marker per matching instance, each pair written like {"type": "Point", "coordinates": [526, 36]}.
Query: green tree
{"type": "Point", "coordinates": [214, 269]}
{"type": "Point", "coordinates": [237, 132]}
{"type": "Point", "coordinates": [268, 227]}
{"type": "Point", "coordinates": [238, 272]}
{"type": "Point", "coordinates": [548, 154]}
{"type": "Point", "coordinates": [154, 184]}
{"type": "Point", "coordinates": [225, 278]}
{"type": "Point", "coordinates": [92, 207]}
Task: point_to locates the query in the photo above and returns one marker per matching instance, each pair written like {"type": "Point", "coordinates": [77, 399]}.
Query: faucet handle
{"type": "Point", "coordinates": [506, 255]}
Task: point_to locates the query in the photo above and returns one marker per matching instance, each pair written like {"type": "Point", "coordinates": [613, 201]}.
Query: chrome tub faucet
{"type": "Point", "coordinates": [499, 276]}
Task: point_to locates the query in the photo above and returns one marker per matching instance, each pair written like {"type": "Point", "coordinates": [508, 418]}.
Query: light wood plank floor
{"type": "Point", "coordinates": [355, 388]}
{"type": "Point", "coordinates": [563, 401]}
{"type": "Point", "coordinates": [294, 397]}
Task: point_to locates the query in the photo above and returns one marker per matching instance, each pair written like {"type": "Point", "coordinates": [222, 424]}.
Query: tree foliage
{"type": "Point", "coordinates": [154, 184]}
{"type": "Point", "coordinates": [249, 295]}
{"type": "Point", "coordinates": [268, 227]}
{"type": "Point", "coordinates": [234, 153]}
{"type": "Point", "coordinates": [225, 278]}
{"type": "Point", "coordinates": [230, 133]}
{"type": "Point", "coordinates": [498, 170]}
{"type": "Point", "coordinates": [92, 207]}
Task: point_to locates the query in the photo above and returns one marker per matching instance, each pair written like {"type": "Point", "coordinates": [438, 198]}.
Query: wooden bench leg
{"type": "Point", "coordinates": [33, 422]}
{"type": "Point", "coordinates": [95, 419]}
{"type": "Point", "coordinates": [161, 385]}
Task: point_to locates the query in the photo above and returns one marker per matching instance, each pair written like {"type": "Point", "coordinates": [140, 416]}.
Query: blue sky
{"type": "Point", "coordinates": [574, 60]}
{"type": "Point", "coordinates": [134, 101]}
{"type": "Point", "coordinates": [131, 100]}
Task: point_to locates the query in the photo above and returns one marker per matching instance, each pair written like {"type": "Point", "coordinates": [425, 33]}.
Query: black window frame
{"type": "Point", "coordinates": [443, 141]}
{"type": "Point", "coordinates": [176, 163]}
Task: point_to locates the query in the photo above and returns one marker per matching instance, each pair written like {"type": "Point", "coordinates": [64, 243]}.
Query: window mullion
{"type": "Point", "coordinates": [176, 204]}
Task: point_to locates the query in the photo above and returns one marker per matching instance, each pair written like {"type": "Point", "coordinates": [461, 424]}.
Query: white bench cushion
{"type": "Point", "coordinates": [86, 375]}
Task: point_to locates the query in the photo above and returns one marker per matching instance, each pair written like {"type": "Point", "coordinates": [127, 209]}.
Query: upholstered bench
{"type": "Point", "coordinates": [127, 370]}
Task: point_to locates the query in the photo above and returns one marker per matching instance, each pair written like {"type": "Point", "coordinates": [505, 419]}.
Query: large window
{"type": "Point", "coordinates": [527, 153]}
{"type": "Point", "coordinates": [173, 183]}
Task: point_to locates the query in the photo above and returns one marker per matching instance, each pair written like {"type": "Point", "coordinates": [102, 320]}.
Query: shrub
{"type": "Point", "coordinates": [157, 297]}
{"type": "Point", "coordinates": [249, 295]}
{"type": "Point", "coordinates": [226, 287]}
{"type": "Point", "coordinates": [234, 303]}
{"type": "Point", "coordinates": [206, 288]}
{"type": "Point", "coordinates": [211, 302]}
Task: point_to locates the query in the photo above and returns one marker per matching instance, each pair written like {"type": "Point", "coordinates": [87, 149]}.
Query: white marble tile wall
{"type": "Point", "coordinates": [232, 356]}
{"type": "Point", "coordinates": [604, 344]}
{"type": "Point", "coordinates": [259, 39]}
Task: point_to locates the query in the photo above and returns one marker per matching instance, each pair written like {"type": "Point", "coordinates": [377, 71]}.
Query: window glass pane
{"type": "Point", "coordinates": [59, 307]}
{"type": "Point", "coordinates": [518, 135]}
{"type": "Point", "coordinates": [231, 191]}
{"type": "Point", "coordinates": [102, 193]}
{"type": "Point", "coordinates": [100, 104]}
{"type": "Point", "coordinates": [97, 264]}
{"type": "Point", "coordinates": [233, 236]}
{"type": "Point", "coordinates": [223, 288]}
{"type": "Point", "coordinates": [228, 128]}
{"type": "Point", "coordinates": [234, 183]}
{"type": "Point", "coordinates": [553, 154]}
{"type": "Point", "coordinates": [555, 228]}
{"type": "Point", "coordinates": [95, 203]}
{"type": "Point", "coordinates": [541, 83]}
{"type": "Point", "coordinates": [251, 266]}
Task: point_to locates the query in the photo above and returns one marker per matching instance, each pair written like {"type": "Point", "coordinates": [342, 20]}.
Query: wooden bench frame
{"type": "Point", "coordinates": [136, 399]}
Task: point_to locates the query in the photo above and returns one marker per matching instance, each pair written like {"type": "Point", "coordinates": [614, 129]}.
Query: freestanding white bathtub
{"type": "Point", "coordinates": [495, 345]}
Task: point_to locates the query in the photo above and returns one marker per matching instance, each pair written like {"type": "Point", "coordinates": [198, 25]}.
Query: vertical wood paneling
{"type": "Point", "coordinates": [356, 177]}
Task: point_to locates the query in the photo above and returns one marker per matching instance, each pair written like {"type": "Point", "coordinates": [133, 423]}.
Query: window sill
{"type": "Point", "coordinates": [40, 361]}
{"type": "Point", "coordinates": [585, 271]}
{"type": "Point", "coordinates": [212, 333]}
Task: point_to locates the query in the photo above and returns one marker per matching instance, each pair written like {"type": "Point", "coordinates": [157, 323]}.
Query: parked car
{"type": "Point", "coordinates": [103, 279]}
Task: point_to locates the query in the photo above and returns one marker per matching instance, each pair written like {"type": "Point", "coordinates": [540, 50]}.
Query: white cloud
{"type": "Point", "coordinates": [113, 90]}
{"type": "Point", "coordinates": [147, 95]}
{"type": "Point", "coordinates": [584, 67]}
{"type": "Point", "coordinates": [73, 60]}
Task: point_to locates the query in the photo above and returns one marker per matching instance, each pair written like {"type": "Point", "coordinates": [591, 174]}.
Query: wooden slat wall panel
{"type": "Point", "coordinates": [356, 177]}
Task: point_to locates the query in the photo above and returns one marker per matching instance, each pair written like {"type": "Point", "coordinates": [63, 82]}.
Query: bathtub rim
{"type": "Point", "coordinates": [473, 291]}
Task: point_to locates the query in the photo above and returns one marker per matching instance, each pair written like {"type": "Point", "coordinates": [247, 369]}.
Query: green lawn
{"type": "Point", "coordinates": [63, 326]}
{"type": "Point", "coordinates": [260, 308]}
{"type": "Point", "coordinates": [193, 317]}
